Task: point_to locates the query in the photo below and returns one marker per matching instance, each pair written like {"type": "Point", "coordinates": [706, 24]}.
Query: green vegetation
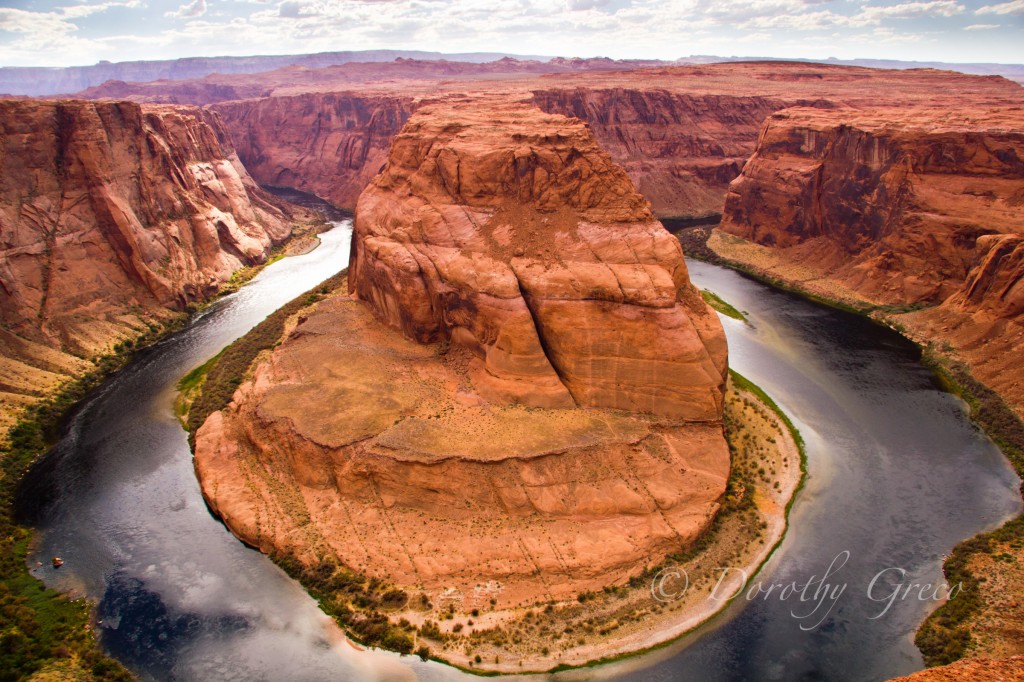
{"type": "Point", "coordinates": [221, 376]}
{"type": "Point", "coordinates": [694, 241]}
{"type": "Point", "coordinates": [244, 275]}
{"type": "Point", "coordinates": [39, 627]}
{"type": "Point", "coordinates": [740, 480]}
{"type": "Point", "coordinates": [190, 386]}
{"type": "Point", "coordinates": [738, 509]}
{"type": "Point", "coordinates": [356, 602]}
{"type": "Point", "coordinates": [719, 304]}
{"type": "Point", "coordinates": [744, 384]}
{"type": "Point", "coordinates": [42, 630]}
{"type": "Point", "coordinates": [944, 637]}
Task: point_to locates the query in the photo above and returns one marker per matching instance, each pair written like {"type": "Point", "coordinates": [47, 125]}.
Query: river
{"type": "Point", "coordinates": [898, 475]}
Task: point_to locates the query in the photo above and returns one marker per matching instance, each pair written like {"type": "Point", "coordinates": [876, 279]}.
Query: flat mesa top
{"type": "Point", "coordinates": [409, 403]}
{"type": "Point", "coordinates": [924, 120]}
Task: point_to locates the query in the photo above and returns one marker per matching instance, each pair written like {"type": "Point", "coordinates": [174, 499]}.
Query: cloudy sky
{"type": "Point", "coordinates": [66, 32]}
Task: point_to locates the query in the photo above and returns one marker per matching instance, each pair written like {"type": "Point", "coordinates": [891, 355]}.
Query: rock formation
{"type": "Point", "coordinates": [681, 133]}
{"type": "Point", "coordinates": [974, 669]}
{"type": "Point", "coordinates": [681, 150]}
{"type": "Point", "coordinates": [522, 241]}
{"type": "Point", "coordinates": [909, 209]}
{"type": "Point", "coordinates": [891, 202]}
{"type": "Point", "coordinates": [328, 144]}
{"type": "Point", "coordinates": [505, 272]}
{"type": "Point", "coordinates": [111, 214]}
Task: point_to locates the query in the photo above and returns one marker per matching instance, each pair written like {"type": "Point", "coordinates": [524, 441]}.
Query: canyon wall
{"type": "Point", "coordinates": [112, 215]}
{"type": "Point", "coordinates": [327, 144]}
{"type": "Point", "coordinates": [917, 210]}
{"type": "Point", "coordinates": [681, 149]}
{"type": "Point", "coordinates": [504, 272]}
{"type": "Point", "coordinates": [681, 133]}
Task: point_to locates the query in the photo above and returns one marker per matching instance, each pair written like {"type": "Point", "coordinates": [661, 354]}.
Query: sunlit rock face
{"type": "Point", "coordinates": [511, 233]}
{"type": "Point", "coordinates": [112, 214]}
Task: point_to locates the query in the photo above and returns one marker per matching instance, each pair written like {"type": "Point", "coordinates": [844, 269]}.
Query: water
{"type": "Point", "coordinates": [898, 475]}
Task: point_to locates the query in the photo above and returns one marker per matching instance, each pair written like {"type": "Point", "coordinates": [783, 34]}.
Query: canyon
{"type": "Point", "coordinates": [869, 188]}
{"type": "Point", "coordinates": [681, 132]}
{"type": "Point", "coordinates": [113, 215]}
{"type": "Point", "coordinates": [501, 213]}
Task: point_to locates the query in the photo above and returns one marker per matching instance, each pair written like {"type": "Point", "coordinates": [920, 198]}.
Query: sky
{"type": "Point", "coordinates": [80, 32]}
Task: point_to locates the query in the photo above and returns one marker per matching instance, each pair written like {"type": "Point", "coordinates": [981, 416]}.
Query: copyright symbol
{"type": "Point", "coordinates": [669, 584]}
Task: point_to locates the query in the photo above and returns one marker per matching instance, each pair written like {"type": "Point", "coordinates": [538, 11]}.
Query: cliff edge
{"type": "Point", "coordinates": [913, 212]}
{"type": "Point", "coordinates": [112, 215]}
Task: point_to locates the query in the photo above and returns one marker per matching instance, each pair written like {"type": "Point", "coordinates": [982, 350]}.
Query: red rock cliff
{"type": "Point", "coordinates": [907, 208]}
{"type": "Point", "coordinates": [680, 149]}
{"type": "Point", "coordinates": [682, 133]}
{"type": "Point", "coordinates": [512, 233]}
{"type": "Point", "coordinates": [111, 213]}
{"type": "Point", "coordinates": [328, 144]}
{"type": "Point", "coordinates": [895, 200]}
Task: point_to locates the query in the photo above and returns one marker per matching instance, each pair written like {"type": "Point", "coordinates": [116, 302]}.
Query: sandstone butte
{"type": "Point", "coordinates": [111, 215]}
{"type": "Point", "coordinates": [523, 394]}
{"type": "Point", "coordinates": [918, 211]}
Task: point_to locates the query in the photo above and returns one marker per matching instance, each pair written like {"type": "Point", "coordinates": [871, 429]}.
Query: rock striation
{"type": "Point", "coordinates": [680, 149]}
{"type": "Point", "coordinates": [111, 215]}
{"type": "Point", "coordinates": [681, 133]}
{"type": "Point", "coordinates": [913, 210]}
{"type": "Point", "coordinates": [505, 275]}
{"type": "Point", "coordinates": [327, 144]}
{"type": "Point", "coordinates": [518, 238]}
{"type": "Point", "coordinates": [891, 202]}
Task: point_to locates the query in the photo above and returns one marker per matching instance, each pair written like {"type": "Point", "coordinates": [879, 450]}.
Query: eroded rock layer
{"type": "Point", "coordinates": [110, 215]}
{"type": "Point", "coordinates": [910, 209]}
{"type": "Point", "coordinates": [681, 133]}
{"type": "Point", "coordinates": [891, 202]}
{"type": "Point", "coordinates": [511, 233]}
{"type": "Point", "coordinates": [328, 144]}
{"type": "Point", "coordinates": [426, 430]}
{"type": "Point", "coordinates": [682, 150]}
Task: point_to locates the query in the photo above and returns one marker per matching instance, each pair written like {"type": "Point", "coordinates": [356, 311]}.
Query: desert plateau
{"type": "Point", "coordinates": [372, 341]}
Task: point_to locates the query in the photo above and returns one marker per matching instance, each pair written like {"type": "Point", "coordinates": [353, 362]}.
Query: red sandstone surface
{"type": "Point", "coordinates": [973, 669]}
{"type": "Point", "coordinates": [682, 133]}
{"type": "Point", "coordinates": [913, 209]}
{"type": "Point", "coordinates": [112, 214]}
{"type": "Point", "coordinates": [505, 271]}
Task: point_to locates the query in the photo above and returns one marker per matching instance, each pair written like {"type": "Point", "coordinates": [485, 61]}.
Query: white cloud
{"type": "Point", "coordinates": [577, 5]}
{"type": "Point", "coordinates": [1012, 7]}
{"type": "Point", "coordinates": [911, 10]}
{"type": "Point", "coordinates": [85, 10]}
{"type": "Point", "coordinates": [28, 23]}
{"type": "Point", "coordinates": [618, 28]}
{"type": "Point", "coordinates": [980, 27]}
{"type": "Point", "coordinates": [191, 10]}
